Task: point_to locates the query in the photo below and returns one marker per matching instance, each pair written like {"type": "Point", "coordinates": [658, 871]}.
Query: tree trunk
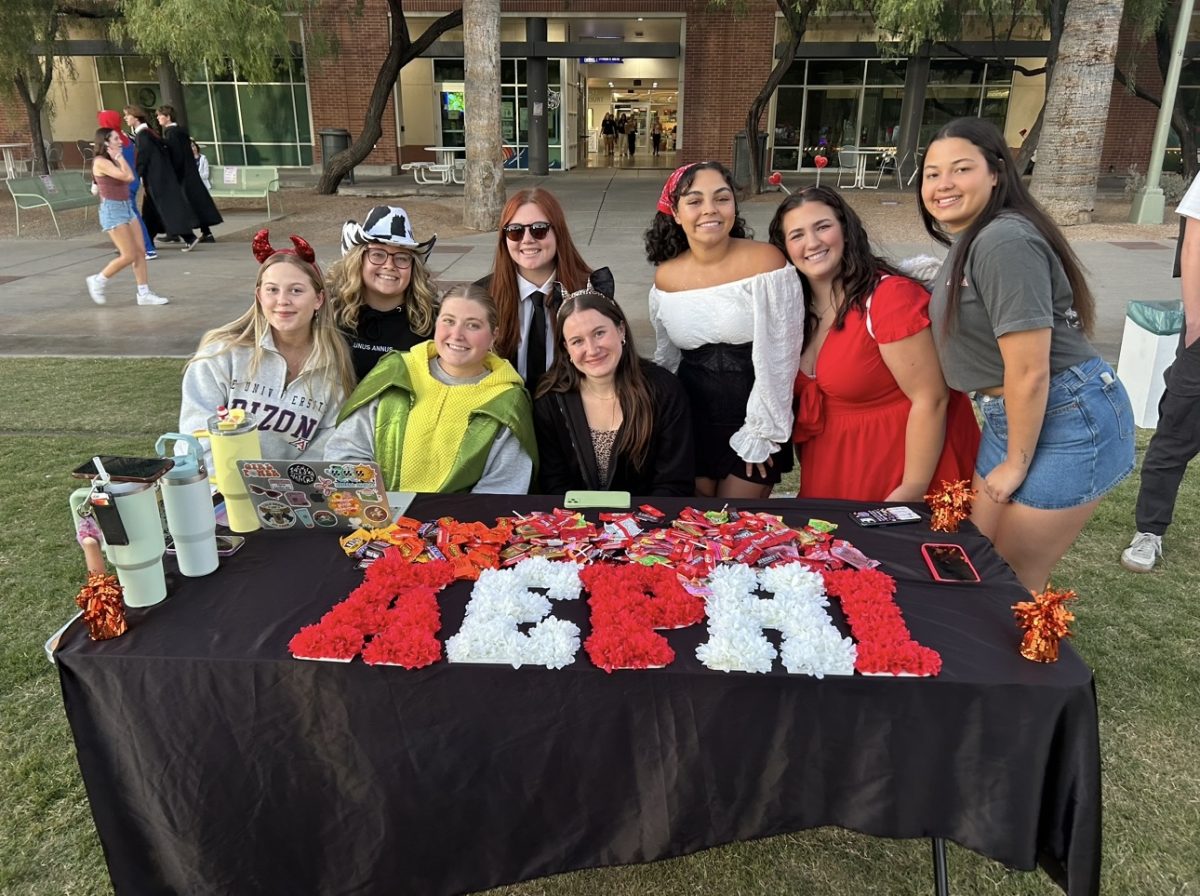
{"type": "Point", "coordinates": [797, 22]}
{"type": "Point", "coordinates": [1055, 14]}
{"type": "Point", "coordinates": [33, 113]}
{"type": "Point", "coordinates": [401, 50]}
{"type": "Point", "coordinates": [1076, 111]}
{"type": "Point", "coordinates": [483, 195]}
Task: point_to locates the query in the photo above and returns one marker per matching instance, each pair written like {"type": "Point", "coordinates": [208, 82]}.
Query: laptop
{"type": "Point", "coordinates": [307, 494]}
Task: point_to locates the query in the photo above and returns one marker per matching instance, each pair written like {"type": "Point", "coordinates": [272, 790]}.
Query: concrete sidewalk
{"type": "Point", "coordinates": [45, 309]}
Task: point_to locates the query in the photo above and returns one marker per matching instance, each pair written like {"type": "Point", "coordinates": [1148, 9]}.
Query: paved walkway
{"type": "Point", "coordinates": [45, 310]}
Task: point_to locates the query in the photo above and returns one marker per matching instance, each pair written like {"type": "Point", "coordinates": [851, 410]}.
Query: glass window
{"type": "Point", "coordinates": [522, 72]}
{"type": "Point", "coordinates": [886, 71]}
{"type": "Point", "coordinates": [272, 154]}
{"type": "Point", "coordinates": [449, 70]}
{"type": "Point", "coordinates": [108, 68]}
{"type": "Point", "coordinates": [225, 113]}
{"type": "Point", "coordinates": [231, 154]}
{"type": "Point", "coordinates": [955, 71]}
{"type": "Point", "coordinates": [138, 68]}
{"type": "Point", "coordinates": [266, 113]}
{"type": "Point", "coordinates": [835, 71]}
{"type": "Point", "coordinates": [304, 131]}
{"type": "Point", "coordinates": [789, 111]}
{"type": "Point", "coordinates": [199, 112]}
{"type": "Point", "coordinates": [881, 116]}
{"type": "Point", "coordinates": [831, 121]}
{"type": "Point", "coordinates": [112, 96]}
{"type": "Point", "coordinates": [508, 71]}
{"type": "Point", "coordinates": [144, 95]}
{"type": "Point", "coordinates": [943, 103]}
{"type": "Point", "coordinates": [795, 74]}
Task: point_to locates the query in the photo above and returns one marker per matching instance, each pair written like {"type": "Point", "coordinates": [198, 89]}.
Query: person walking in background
{"type": "Point", "coordinates": [1176, 441]}
{"type": "Point", "coordinates": [165, 209]}
{"type": "Point", "coordinates": [202, 165]}
{"type": "Point", "coordinates": [622, 123]}
{"type": "Point", "coordinates": [113, 175]}
{"type": "Point", "coordinates": [728, 316]}
{"type": "Point", "coordinates": [656, 132]}
{"type": "Point", "coordinates": [631, 130]}
{"type": "Point", "coordinates": [1010, 311]}
{"type": "Point", "coordinates": [179, 148]}
{"type": "Point", "coordinates": [608, 130]}
{"type": "Point", "coordinates": [111, 119]}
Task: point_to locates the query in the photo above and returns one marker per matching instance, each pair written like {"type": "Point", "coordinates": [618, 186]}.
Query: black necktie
{"type": "Point", "coordinates": [535, 350]}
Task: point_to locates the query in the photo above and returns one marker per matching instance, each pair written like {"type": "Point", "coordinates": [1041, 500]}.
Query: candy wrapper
{"type": "Point", "coordinates": [951, 504]}
{"type": "Point", "coordinates": [103, 605]}
{"type": "Point", "coordinates": [1046, 621]}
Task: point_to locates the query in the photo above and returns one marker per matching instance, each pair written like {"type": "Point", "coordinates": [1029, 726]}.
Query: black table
{"type": "Point", "coordinates": [215, 763]}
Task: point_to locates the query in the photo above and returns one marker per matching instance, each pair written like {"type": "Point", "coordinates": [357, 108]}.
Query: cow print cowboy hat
{"type": "Point", "coordinates": [386, 224]}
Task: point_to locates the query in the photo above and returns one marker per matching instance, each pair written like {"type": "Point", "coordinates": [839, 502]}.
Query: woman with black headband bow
{"type": "Point", "coordinates": [605, 418]}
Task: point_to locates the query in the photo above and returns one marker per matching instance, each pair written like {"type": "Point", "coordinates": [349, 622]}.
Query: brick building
{"type": "Point", "coordinates": [695, 68]}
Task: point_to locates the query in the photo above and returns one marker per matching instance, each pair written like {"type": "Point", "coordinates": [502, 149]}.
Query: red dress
{"type": "Point", "coordinates": [852, 416]}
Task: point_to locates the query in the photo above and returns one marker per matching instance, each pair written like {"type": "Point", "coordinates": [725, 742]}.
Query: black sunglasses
{"type": "Point", "coordinates": [516, 232]}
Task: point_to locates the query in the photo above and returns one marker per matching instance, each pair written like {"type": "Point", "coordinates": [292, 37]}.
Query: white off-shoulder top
{"type": "Point", "coordinates": [766, 310]}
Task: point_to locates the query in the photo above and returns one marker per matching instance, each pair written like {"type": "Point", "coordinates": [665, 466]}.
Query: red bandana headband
{"type": "Point", "coordinates": [262, 248]}
{"type": "Point", "coordinates": [664, 201]}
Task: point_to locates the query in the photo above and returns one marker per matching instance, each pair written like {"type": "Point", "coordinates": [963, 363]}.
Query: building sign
{"type": "Point", "coordinates": [604, 60]}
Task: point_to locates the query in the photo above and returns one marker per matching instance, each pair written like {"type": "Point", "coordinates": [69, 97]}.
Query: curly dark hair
{"type": "Point", "coordinates": [861, 268]}
{"type": "Point", "coordinates": [665, 239]}
{"type": "Point", "coordinates": [1009, 195]}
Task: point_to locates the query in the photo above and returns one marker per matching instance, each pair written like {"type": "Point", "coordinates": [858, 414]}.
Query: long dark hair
{"type": "Point", "coordinates": [861, 269]}
{"type": "Point", "coordinates": [1009, 195]}
{"type": "Point", "coordinates": [570, 268]}
{"type": "Point", "coordinates": [665, 239]}
{"type": "Point", "coordinates": [632, 387]}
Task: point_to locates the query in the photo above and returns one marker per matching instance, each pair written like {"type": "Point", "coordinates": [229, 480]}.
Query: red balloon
{"type": "Point", "coordinates": [820, 161]}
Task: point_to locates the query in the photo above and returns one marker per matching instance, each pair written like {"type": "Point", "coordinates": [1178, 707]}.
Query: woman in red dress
{"type": "Point", "coordinates": [874, 419]}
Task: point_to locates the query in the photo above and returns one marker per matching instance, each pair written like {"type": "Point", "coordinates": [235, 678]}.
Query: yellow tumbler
{"type": "Point", "coordinates": [231, 439]}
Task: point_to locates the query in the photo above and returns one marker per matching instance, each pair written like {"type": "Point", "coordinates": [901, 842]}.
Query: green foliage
{"type": "Point", "coordinates": [24, 24]}
{"type": "Point", "coordinates": [190, 33]}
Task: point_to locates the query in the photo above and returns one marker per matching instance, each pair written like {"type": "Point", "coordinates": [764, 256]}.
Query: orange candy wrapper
{"type": "Point", "coordinates": [103, 604]}
{"type": "Point", "coordinates": [951, 504]}
{"type": "Point", "coordinates": [1046, 621]}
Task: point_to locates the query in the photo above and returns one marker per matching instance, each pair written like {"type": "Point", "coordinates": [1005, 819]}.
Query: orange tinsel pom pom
{"type": "Point", "coordinates": [103, 603]}
{"type": "Point", "coordinates": [951, 504]}
{"type": "Point", "coordinates": [1046, 622]}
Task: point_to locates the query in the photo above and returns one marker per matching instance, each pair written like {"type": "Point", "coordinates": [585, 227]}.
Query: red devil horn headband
{"type": "Point", "coordinates": [262, 248]}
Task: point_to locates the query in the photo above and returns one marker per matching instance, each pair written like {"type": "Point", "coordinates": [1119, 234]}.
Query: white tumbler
{"type": "Point", "coordinates": [187, 500]}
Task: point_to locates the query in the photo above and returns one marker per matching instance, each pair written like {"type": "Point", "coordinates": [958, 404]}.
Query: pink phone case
{"type": "Point", "coordinates": [958, 551]}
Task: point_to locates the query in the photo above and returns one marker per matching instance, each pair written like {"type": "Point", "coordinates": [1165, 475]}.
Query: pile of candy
{"type": "Point", "coordinates": [468, 547]}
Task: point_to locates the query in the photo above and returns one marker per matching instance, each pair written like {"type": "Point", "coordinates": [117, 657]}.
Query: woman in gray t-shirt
{"type": "Point", "coordinates": [1010, 311]}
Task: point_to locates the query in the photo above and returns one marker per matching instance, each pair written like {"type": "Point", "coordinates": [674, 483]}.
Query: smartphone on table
{"type": "Point", "coordinates": [949, 563]}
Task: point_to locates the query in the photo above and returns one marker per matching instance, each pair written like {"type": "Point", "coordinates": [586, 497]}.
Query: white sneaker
{"type": "Point", "coordinates": [96, 289]}
{"type": "Point", "coordinates": [1143, 552]}
{"type": "Point", "coordinates": [152, 299]}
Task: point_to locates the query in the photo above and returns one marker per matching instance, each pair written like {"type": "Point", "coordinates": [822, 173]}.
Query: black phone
{"type": "Point", "coordinates": [885, 516]}
{"type": "Point", "coordinates": [126, 469]}
{"type": "Point", "coordinates": [949, 563]}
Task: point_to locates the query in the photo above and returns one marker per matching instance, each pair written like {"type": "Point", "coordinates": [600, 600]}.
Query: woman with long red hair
{"type": "Point", "coordinates": [536, 260]}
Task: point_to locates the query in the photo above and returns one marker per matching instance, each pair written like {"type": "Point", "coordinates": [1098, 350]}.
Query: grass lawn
{"type": "Point", "coordinates": [1139, 633]}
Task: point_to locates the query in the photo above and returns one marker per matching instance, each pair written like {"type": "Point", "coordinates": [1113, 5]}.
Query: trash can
{"type": "Point", "coordinates": [741, 160]}
{"type": "Point", "coordinates": [1147, 349]}
{"type": "Point", "coordinates": [333, 141]}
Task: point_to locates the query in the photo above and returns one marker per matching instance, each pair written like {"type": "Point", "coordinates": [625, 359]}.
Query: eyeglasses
{"type": "Point", "coordinates": [402, 261]}
{"type": "Point", "coordinates": [537, 230]}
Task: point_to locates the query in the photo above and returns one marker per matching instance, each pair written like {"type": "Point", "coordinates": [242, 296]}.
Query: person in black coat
{"type": "Point", "coordinates": [183, 161]}
{"type": "Point", "coordinates": [606, 419]}
{"type": "Point", "coordinates": [165, 209]}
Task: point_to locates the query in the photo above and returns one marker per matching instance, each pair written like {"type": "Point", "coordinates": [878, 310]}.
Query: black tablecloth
{"type": "Point", "coordinates": [215, 763]}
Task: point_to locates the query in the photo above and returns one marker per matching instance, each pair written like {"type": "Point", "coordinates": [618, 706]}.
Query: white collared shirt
{"type": "Point", "coordinates": [526, 310]}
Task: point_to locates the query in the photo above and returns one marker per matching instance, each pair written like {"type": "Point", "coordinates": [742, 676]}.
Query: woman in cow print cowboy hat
{"type": "Point", "coordinates": [380, 290]}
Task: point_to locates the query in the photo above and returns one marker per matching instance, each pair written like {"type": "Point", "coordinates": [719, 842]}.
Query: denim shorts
{"type": "Point", "coordinates": [115, 212]}
{"type": "Point", "coordinates": [1086, 443]}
